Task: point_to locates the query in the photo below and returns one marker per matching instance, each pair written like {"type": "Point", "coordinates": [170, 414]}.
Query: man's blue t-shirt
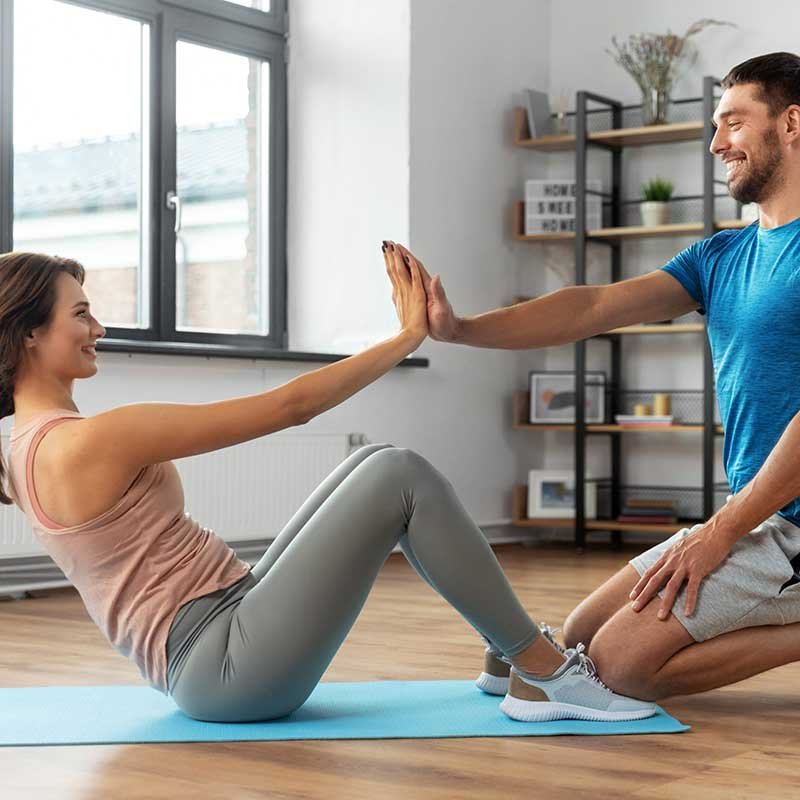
{"type": "Point", "coordinates": [747, 282]}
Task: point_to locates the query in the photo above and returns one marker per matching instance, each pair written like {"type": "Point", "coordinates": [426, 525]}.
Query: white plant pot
{"type": "Point", "coordinates": [654, 213]}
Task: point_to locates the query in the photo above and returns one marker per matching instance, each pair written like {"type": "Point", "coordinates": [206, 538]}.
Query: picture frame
{"type": "Point", "coordinates": [551, 493]}
{"type": "Point", "coordinates": [552, 396]}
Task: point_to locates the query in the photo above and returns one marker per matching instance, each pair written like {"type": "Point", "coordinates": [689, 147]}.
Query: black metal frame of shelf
{"type": "Point", "coordinates": [582, 143]}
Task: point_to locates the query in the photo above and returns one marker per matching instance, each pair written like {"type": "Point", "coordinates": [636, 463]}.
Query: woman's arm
{"type": "Point", "coordinates": [150, 433]}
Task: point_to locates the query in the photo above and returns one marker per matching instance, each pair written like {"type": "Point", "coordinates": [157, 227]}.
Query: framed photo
{"type": "Point", "coordinates": [553, 396]}
{"type": "Point", "coordinates": [551, 493]}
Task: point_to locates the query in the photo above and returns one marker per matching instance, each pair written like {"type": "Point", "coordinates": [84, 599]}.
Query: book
{"type": "Point", "coordinates": [644, 512]}
{"type": "Point", "coordinates": [537, 105]}
{"type": "Point", "coordinates": [642, 418]}
{"type": "Point", "coordinates": [644, 502]}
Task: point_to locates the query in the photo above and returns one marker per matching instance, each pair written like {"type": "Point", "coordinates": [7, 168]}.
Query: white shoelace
{"type": "Point", "coordinates": [587, 666]}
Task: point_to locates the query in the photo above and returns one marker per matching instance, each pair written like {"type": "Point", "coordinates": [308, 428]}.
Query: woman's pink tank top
{"type": "Point", "coordinates": [137, 563]}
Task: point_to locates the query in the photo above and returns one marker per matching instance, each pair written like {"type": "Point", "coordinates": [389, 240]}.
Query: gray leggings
{"type": "Point", "coordinates": [261, 656]}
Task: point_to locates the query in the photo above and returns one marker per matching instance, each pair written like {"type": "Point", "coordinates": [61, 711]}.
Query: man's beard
{"type": "Point", "coordinates": [755, 186]}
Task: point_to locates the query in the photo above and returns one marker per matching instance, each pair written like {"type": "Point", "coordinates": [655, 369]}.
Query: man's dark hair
{"type": "Point", "coordinates": [777, 76]}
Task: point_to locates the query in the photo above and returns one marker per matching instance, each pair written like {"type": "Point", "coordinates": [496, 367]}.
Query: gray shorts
{"type": "Point", "coordinates": [757, 584]}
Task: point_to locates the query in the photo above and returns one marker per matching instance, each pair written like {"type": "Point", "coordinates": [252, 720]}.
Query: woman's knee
{"type": "Point", "coordinates": [400, 462]}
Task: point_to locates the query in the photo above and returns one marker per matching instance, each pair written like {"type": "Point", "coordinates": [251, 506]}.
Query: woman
{"type": "Point", "coordinates": [227, 642]}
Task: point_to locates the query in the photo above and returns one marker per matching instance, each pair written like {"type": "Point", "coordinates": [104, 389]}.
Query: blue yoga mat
{"type": "Point", "coordinates": [60, 715]}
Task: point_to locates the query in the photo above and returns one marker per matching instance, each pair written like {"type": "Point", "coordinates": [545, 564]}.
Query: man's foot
{"type": "Point", "coordinates": [573, 691]}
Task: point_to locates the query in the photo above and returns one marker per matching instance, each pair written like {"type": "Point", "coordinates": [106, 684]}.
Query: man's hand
{"type": "Point", "coordinates": [442, 320]}
{"type": "Point", "coordinates": [689, 560]}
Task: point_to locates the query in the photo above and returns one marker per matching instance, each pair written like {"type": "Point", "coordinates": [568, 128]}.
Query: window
{"type": "Point", "coordinates": [161, 168]}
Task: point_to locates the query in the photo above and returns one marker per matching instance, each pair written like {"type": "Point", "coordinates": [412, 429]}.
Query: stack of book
{"type": "Point", "coordinates": [632, 420]}
{"type": "Point", "coordinates": [648, 511]}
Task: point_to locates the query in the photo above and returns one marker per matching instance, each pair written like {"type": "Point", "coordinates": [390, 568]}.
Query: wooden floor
{"type": "Point", "coordinates": [744, 742]}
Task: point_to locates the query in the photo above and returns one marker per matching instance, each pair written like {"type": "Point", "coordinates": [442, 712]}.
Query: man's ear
{"type": "Point", "coordinates": [793, 121]}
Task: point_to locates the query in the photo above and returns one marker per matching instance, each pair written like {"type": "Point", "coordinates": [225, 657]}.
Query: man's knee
{"type": "Point", "coordinates": [576, 628]}
{"type": "Point", "coordinates": [583, 622]}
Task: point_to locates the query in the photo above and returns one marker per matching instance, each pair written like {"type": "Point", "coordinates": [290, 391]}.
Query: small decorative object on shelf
{"type": "Point", "coordinates": [655, 208]}
{"type": "Point", "coordinates": [551, 493]}
{"type": "Point", "coordinates": [560, 122]}
{"type": "Point", "coordinates": [652, 60]}
{"type": "Point", "coordinates": [539, 118]}
{"type": "Point", "coordinates": [661, 404]}
{"type": "Point", "coordinates": [550, 206]}
{"type": "Point", "coordinates": [553, 396]}
{"type": "Point", "coordinates": [643, 413]}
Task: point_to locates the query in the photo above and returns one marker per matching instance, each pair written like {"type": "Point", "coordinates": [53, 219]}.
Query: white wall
{"type": "Point", "coordinates": [348, 168]}
{"type": "Point", "coordinates": [467, 64]}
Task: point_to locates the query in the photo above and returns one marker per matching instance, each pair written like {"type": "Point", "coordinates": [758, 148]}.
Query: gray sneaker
{"type": "Point", "coordinates": [497, 668]}
{"type": "Point", "coordinates": [573, 691]}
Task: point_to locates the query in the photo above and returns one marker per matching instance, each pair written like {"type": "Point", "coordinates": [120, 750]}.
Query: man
{"type": "Point", "coordinates": [729, 593]}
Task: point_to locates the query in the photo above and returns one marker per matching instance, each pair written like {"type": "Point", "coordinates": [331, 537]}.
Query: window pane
{"type": "Point", "coordinates": [261, 5]}
{"type": "Point", "coordinates": [222, 247]}
{"type": "Point", "coordinates": [81, 138]}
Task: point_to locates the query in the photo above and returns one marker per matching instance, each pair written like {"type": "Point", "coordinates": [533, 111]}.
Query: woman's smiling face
{"type": "Point", "coordinates": [63, 347]}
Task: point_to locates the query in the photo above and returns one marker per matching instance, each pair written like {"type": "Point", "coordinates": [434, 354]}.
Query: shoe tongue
{"type": "Point", "coordinates": [572, 660]}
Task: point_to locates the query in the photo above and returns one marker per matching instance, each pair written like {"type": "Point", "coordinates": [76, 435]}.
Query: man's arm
{"type": "Point", "coordinates": [771, 488]}
{"type": "Point", "coordinates": [565, 315]}
{"type": "Point", "coordinates": [701, 552]}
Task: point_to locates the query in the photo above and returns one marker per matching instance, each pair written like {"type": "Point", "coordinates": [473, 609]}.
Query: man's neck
{"type": "Point", "coordinates": [782, 207]}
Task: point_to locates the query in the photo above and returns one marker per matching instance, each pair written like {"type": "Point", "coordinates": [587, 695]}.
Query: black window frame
{"type": "Point", "coordinates": [214, 23]}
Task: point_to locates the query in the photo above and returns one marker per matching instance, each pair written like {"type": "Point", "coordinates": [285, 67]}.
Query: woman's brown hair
{"type": "Point", "coordinates": [27, 297]}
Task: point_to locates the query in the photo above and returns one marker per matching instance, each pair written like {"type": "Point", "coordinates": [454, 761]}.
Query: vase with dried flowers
{"type": "Point", "coordinates": [653, 61]}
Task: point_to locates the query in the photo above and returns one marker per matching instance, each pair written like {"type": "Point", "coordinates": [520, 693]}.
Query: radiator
{"type": "Point", "coordinates": [245, 494]}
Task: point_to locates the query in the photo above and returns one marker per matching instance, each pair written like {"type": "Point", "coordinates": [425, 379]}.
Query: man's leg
{"type": "Point", "coordinates": [594, 611]}
{"type": "Point", "coordinates": [639, 655]}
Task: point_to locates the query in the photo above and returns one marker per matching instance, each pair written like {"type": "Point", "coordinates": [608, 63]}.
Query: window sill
{"type": "Point", "coordinates": [225, 351]}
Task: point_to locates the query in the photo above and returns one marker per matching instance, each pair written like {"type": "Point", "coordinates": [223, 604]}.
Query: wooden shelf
{"type": "Point", "coordinates": [619, 137]}
{"type": "Point", "coordinates": [521, 414]}
{"type": "Point", "coordinates": [619, 233]}
{"type": "Point", "coordinates": [520, 519]}
{"type": "Point", "coordinates": [648, 328]}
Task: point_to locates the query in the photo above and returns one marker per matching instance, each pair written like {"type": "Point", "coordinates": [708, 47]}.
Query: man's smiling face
{"type": "Point", "coordinates": [746, 139]}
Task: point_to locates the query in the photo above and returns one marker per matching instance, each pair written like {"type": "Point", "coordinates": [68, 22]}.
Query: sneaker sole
{"type": "Point", "coordinates": [541, 711]}
{"type": "Point", "coordinates": [492, 684]}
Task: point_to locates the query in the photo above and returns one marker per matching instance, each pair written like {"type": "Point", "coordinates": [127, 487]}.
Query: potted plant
{"type": "Point", "coordinates": [653, 60]}
{"type": "Point", "coordinates": [655, 208]}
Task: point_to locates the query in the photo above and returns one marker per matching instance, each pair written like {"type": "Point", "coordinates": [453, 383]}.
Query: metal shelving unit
{"type": "Point", "coordinates": [613, 139]}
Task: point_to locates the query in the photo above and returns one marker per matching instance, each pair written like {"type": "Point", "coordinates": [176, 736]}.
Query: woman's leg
{"type": "Point", "coordinates": [264, 658]}
{"type": "Point", "coordinates": [310, 506]}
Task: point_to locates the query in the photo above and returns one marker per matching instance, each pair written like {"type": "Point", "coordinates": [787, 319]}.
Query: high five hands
{"type": "Point", "coordinates": [442, 323]}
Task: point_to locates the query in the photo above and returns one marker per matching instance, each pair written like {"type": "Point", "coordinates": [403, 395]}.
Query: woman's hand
{"type": "Point", "coordinates": [689, 560]}
{"type": "Point", "coordinates": [408, 291]}
{"type": "Point", "coordinates": [442, 320]}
